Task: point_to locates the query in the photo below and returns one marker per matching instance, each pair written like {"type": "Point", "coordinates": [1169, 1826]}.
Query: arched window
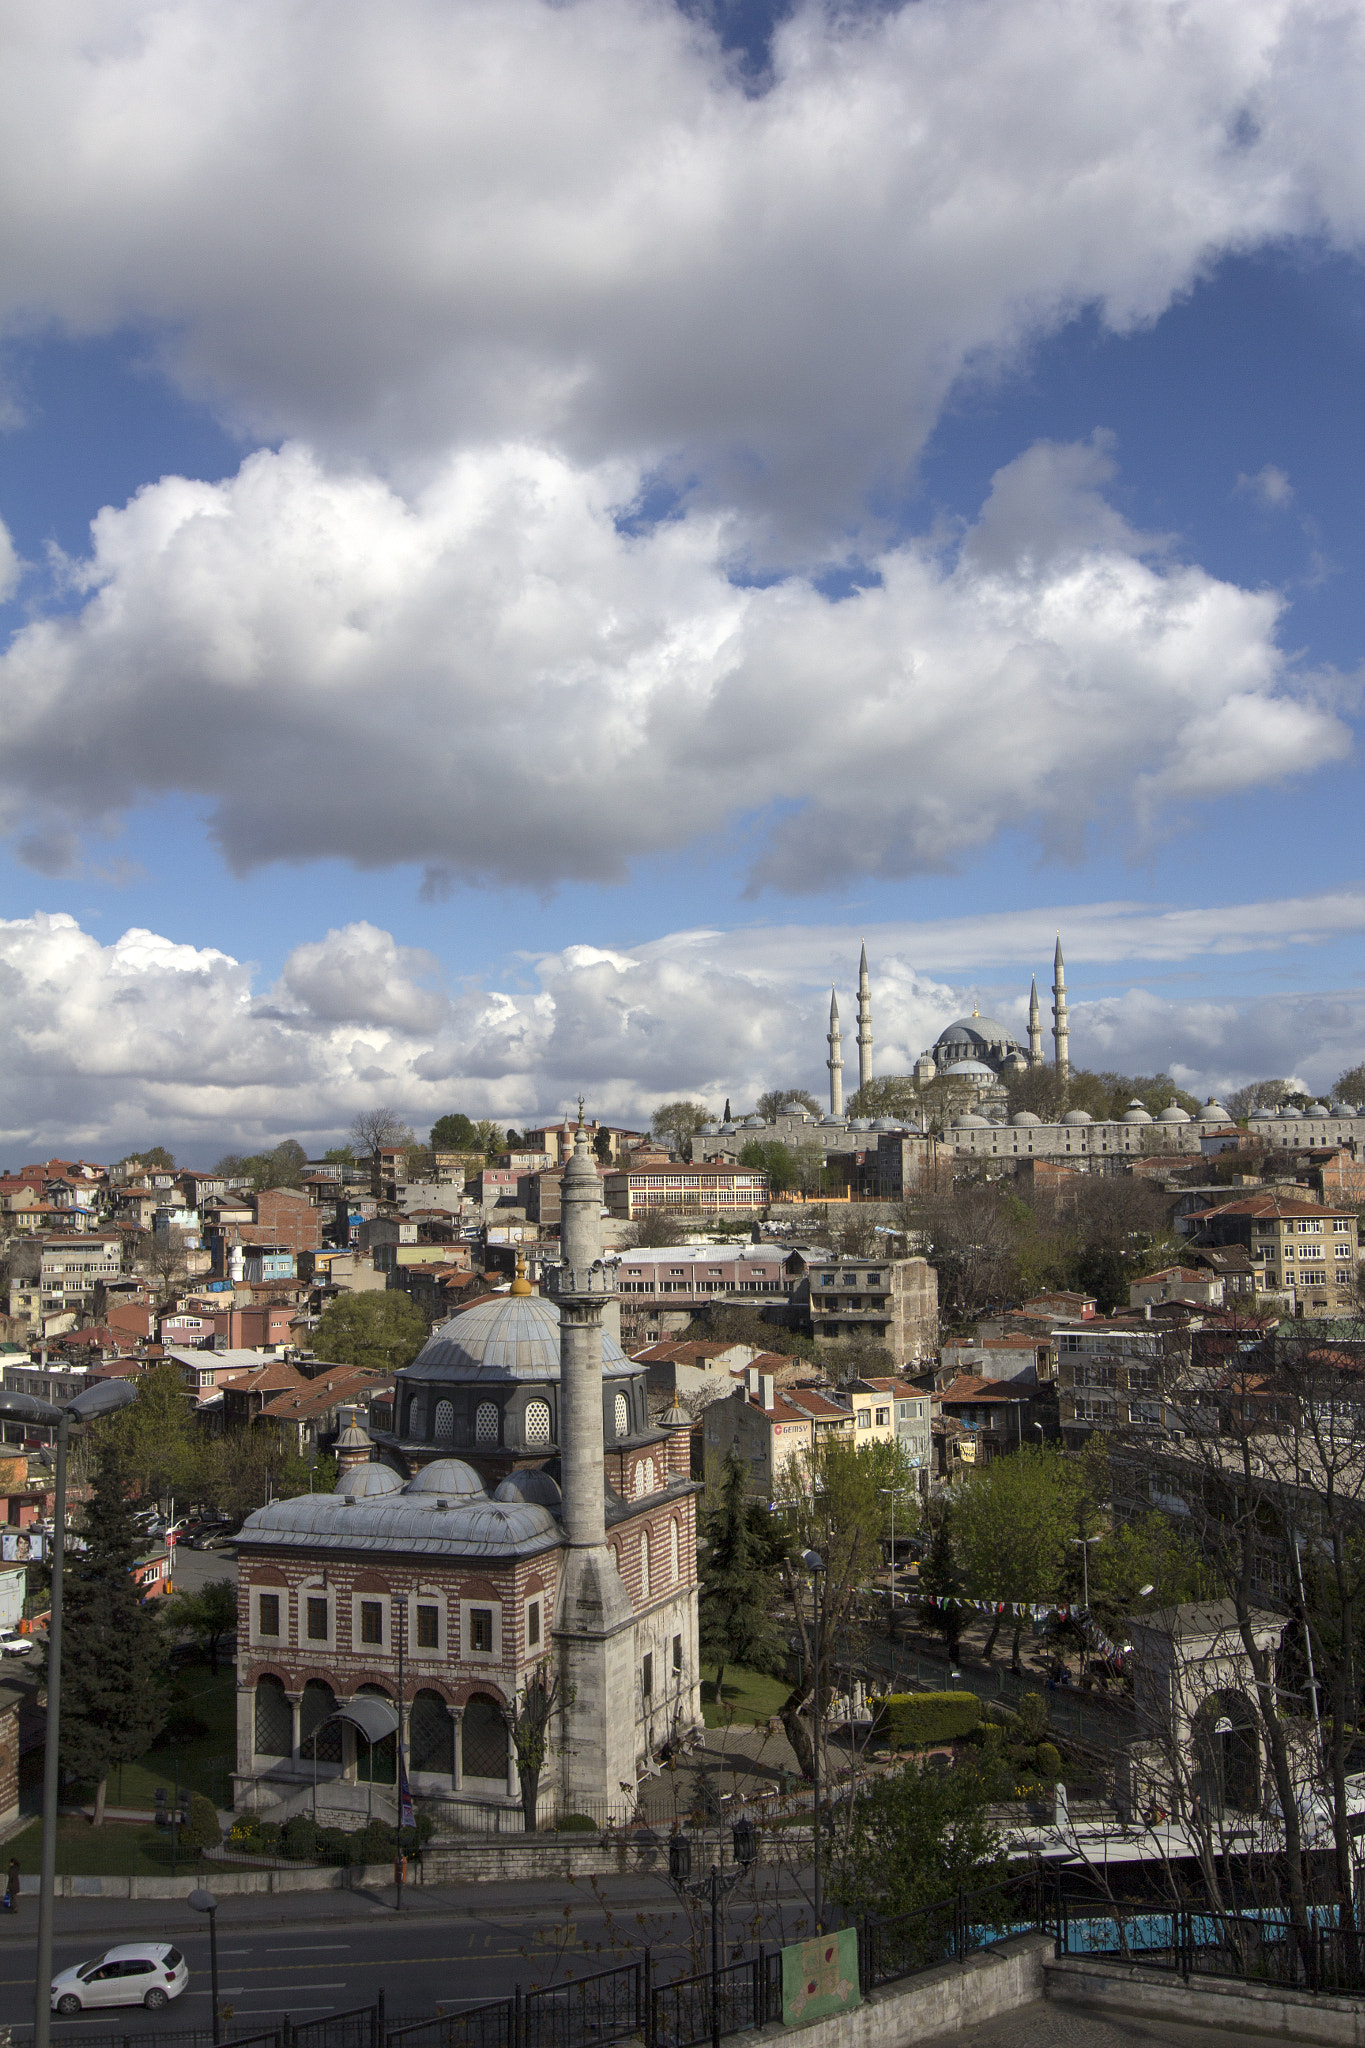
{"type": "Point", "coordinates": [644, 1564]}
{"type": "Point", "coordinates": [483, 1740]}
{"type": "Point", "coordinates": [674, 1551]}
{"type": "Point", "coordinates": [622, 1416]}
{"type": "Point", "coordinates": [644, 1477]}
{"type": "Point", "coordinates": [376, 1763]}
{"type": "Point", "coordinates": [445, 1422]}
{"type": "Point", "coordinates": [417, 1416]}
{"type": "Point", "coordinates": [318, 1705]}
{"type": "Point", "coordinates": [431, 1735]}
{"type": "Point", "coordinates": [537, 1424]}
{"type": "Point", "coordinates": [486, 1423]}
{"type": "Point", "coordinates": [274, 1721]}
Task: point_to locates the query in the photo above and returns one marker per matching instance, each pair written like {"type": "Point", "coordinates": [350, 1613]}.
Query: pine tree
{"type": "Point", "coordinates": [738, 1579]}
{"type": "Point", "coordinates": [113, 1650]}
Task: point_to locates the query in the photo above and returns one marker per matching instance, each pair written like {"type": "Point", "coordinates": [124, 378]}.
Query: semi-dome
{"type": "Point", "coordinates": [513, 1338]}
{"type": "Point", "coordinates": [448, 1476]}
{"type": "Point", "coordinates": [1078, 1116]}
{"type": "Point", "coordinates": [1213, 1112]}
{"type": "Point", "coordinates": [1136, 1113]}
{"type": "Point", "coordinates": [1025, 1118]}
{"type": "Point", "coordinates": [369, 1482]}
{"type": "Point", "coordinates": [976, 1068]}
{"type": "Point", "coordinates": [533, 1484]}
{"type": "Point", "coordinates": [1173, 1114]}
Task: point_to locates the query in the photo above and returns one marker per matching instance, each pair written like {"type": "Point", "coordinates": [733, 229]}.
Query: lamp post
{"type": "Point", "coordinates": [718, 1885]}
{"type": "Point", "coordinates": [205, 1902]}
{"type": "Point", "coordinates": [815, 1564]}
{"type": "Point", "coordinates": [1085, 1543]}
{"type": "Point", "coordinates": [892, 1491]}
{"type": "Point", "coordinates": [102, 1399]}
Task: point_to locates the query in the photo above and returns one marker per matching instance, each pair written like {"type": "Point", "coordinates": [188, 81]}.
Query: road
{"type": "Point", "coordinates": [310, 1954]}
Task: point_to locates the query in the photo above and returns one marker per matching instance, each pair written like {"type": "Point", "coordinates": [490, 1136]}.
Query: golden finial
{"type": "Point", "coordinates": [975, 1011]}
{"type": "Point", "coordinates": [520, 1283]}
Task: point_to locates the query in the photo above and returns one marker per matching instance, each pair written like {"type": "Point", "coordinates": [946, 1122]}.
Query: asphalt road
{"type": "Point", "coordinates": [310, 1954]}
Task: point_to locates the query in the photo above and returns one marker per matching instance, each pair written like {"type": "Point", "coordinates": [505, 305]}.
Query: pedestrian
{"type": "Point", "coordinates": [12, 1886]}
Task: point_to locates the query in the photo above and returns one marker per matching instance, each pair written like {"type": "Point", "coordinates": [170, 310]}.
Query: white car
{"type": "Point", "coordinates": [148, 1973]}
{"type": "Point", "coordinates": [12, 1644]}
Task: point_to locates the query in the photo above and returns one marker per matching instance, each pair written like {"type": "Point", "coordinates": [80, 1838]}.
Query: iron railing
{"type": "Point", "coordinates": [744, 1995]}
{"type": "Point", "coordinates": [1255, 1945]}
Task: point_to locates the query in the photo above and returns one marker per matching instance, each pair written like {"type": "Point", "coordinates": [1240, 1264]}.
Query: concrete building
{"type": "Point", "coordinates": [1304, 1248]}
{"type": "Point", "coordinates": [1110, 1376]}
{"type": "Point", "coordinates": [486, 1569]}
{"type": "Point", "coordinates": [770, 1433]}
{"type": "Point", "coordinates": [56, 1274]}
{"type": "Point", "coordinates": [660, 1185]}
{"type": "Point", "coordinates": [892, 1301]}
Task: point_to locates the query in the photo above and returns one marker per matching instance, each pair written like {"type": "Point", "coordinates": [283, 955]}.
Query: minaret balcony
{"type": "Point", "coordinates": [594, 1282]}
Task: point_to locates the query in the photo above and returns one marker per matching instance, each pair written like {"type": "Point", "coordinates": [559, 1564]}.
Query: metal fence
{"type": "Point", "coordinates": [1256, 1946]}
{"type": "Point", "coordinates": [948, 1931]}
{"type": "Point", "coordinates": [692, 2009]}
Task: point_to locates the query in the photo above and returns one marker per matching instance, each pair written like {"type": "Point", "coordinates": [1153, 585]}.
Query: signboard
{"type": "Point", "coordinates": [820, 1977]}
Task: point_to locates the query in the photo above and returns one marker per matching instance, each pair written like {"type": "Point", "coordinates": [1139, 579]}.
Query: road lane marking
{"type": "Point", "coordinates": [305, 1948]}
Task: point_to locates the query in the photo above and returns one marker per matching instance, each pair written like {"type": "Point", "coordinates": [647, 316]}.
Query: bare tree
{"type": "Point", "coordinates": [372, 1129]}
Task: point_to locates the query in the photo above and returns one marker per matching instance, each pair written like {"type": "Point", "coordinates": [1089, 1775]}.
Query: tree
{"type": "Point", "coordinates": [601, 1145]}
{"type": "Point", "coordinates": [114, 1656]}
{"type": "Point", "coordinates": [1351, 1086]}
{"type": "Point", "coordinates": [162, 1255]}
{"type": "Point", "coordinates": [453, 1133]}
{"type": "Point", "coordinates": [772, 1157]}
{"type": "Point", "coordinates": [1244, 1102]}
{"type": "Point", "coordinates": [677, 1123]}
{"type": "Point", "coordinates": [970, 1243]}
{"type": "Point", "coordinates": [279, 1168]}
{"type": "Point", "coordinates": [919, 1835]}
{"type": "Point", "coordinates": [1013, 1525]}
{"type": "Point", "coordinates": [208, 1614]}
{"type": "Point", "coordinates": [528, 1724]}
{"type": "Point", "coordinates": [660, 1227]}
{"type": "Point", "coordinates": [340, 1155]}
{"type": "Point", "coordinates": [771, 1105]}
{"type": "Point", "coordinates": [155, 1156]}
{"type": "Point", "coordinates": [383, 1332]}
{"type": "Point", "coordinates": [162, 1452]}
{"type": "Point", "coordinates": [890, 1095]}
{"type": "Point", "coordinates": [376, 1129]}
{"type": "Point", "coordinates": [739, 1585]}
{"type": "Point", "coordinates": [940, 1575]}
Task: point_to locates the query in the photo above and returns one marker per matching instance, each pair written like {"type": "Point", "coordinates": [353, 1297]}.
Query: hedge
{"type": "Point", "coordinates": [918, 1720]}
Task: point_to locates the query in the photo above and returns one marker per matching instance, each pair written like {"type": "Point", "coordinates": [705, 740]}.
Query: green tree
{"type": "Point", "coordinates": [490, 1138]}
{"type": "Point", "coordinates": [919, 1835]}
{"type": "Point", "coordinates": [940, 1576]}
{"type": "Point", "coordinates": [1014, 1522]}
{"type": "Point", "coordinates": [893, 1095]}
{"type": "Point", "coordinates": [677, 1123]}
{"type": "Point", "coordinates": [207, 1614]}
{"type": "Point", "coordinates": [1153, 1552]}
{"type": "Point", "coordinates": [453, 1133]}
{"type": "Point", "coordinates": [775, 1159]}
{"type": "Point", "coordinates": [601, 1145]}
{"type": "Point", "coordinates": [1351, 1086]}
{"type": "Point", "coordinates": [161, 1449]}
{"type": "Point", "coordinates": [383, 1332]}
{"type": "Point", "coordinates": [113, 1653]}
{"type": "Point", "coordinates": [739, 1583]}
{"type": "Point", "coordinates": [339, 1155]}
{"type": "Point", "coordinates": [528, 1723]}
{"type": "Point", "coordinates": [155, 1156]}
{"type": "Point", "coordinates": [771, 1105]}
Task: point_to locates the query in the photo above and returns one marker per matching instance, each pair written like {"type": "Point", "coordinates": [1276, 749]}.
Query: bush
{"type": "Point", "coordinates": [1049, 1762]}
{"type": "Point", "coordinates": [575, 1824]}
{"type": "Point", "coordinates": [201, 1830]}
{"type": "Point", "coordinates": [1031, 1717]}
{"type": "Point", "coordinates": [917, 1720]}
{"type": "Point", "coordinates": [182, 1725]}
{"type": "Point", "coordinates": [300, 1836]}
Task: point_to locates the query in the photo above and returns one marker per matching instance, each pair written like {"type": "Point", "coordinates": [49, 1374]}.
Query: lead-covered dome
{"type": "Point", "coordinates": [1078, 1116]}
{"type": "Point", "coordinates": [1137, 1113]}
{"type": "Point", "coordinates": [449, 1476]}
{"type": "Point", "coordinates": [513, 1338]}
{"type": "Point", "coordinates": [1173, 1114]}
{"type": "Point", "coordinates": [1025, 1119]}
{"type": "Point", "coordinates": [369, 1482]}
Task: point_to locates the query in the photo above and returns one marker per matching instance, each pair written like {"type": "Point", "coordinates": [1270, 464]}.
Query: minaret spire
{"type": "Point", "coordinates": [835, 1062]}
{"type": "Point", "coordinates": [1061, 1029]}
{"type": "Point", "coordinates": [1035, 1027]}
{"type": "Point", "coordinates": [864, 1024]}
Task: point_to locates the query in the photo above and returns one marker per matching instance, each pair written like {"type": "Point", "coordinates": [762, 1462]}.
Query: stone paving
{"type": "Point", "coordinates": [1044, 2025]}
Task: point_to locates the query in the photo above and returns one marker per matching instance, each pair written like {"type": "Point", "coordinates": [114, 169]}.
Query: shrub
{"type": "Point", "coordinates": [182, 1725]}
{"type": "Point", "coordinates": [300, 1836]}
{"type": "Point", "coordinates": [202, 1829]}
{"type": "Point", "coordinates": [1031, 1717]}
{"type": "Point", "coordinates": [575, 1824]}
{"type": "Point", "coordinates": [336, 1845]}
{"type": "Point", "coordinates": [1049, 1762]}
{"type": "Point", "coordinates": [917, 1720]}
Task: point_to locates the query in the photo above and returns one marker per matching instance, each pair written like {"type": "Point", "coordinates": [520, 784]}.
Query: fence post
{"type": "Point", "coordinates": [518, 2017]}
{"type": "Point", "coordinates": [644, 1980]}
{"type": "Point", "coordinates": [375, 2041]}
{"type": "Point", "coordinates": [959, 1928]}
{"type": "Point", "coordinates": [381, 2017]}
{"type": "Point", "coordinates": [286, 2032]}
{"type": "Point", "coordinates": [761, 1990]}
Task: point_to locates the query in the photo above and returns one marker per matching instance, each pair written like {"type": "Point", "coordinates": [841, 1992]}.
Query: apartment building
{"type": "Point", "coordinates": [659, 1184]}
{"type": "Point", "coordinates": [1110, 1376]}
{"type": "Point", "coordinates": [770, 1431]}
{"type": "Point", "coordinates": [1309, 1249]}
{"type": "Point", "coordinates": [893, 1301]}
{"type": "Point", "coordinates": [57, 1273]}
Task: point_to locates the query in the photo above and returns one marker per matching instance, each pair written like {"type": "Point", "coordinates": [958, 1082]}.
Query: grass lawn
{"type": "Point", "coordinates": [203, 1763]}
{"type": "Point", "coordinates": [746, 1696]}
{"type": "Point", "coordinates": [115, 1850]}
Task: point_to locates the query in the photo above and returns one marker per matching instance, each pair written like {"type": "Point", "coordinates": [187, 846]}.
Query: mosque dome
{"type": "Point", "coordinates": [709, 1131]}
{"type": "Point", "coordinates": [753, 1123]}
{"type": "Point", "coordinates": [1078, 1116]}
{"type": "Point", "coordinates": [515, 1337]}
{"type": "Point", "coordinates": [861, 1123]}
{"type": "Point", "coordinates": [450, 1476]}
{"type": "Point", "coordinates": [368, 1482]}
{"type": "Point", "coordinates": [1173, 1114]}
{"type": "Point", "coordinates": [531, 1484]}
{"type": "Point", "coordinates": [977, 1069]}
{"type": "Point", "coordinates": [974, 1031]}
{"type": "Point", "coordinates": [1025, 1118]}
{"type": "Point", "coordinates": [1288, 1114]}
{"type": "Point", "coordinates": [884, 1123]}
{"type": "Point", "coordinates": [1136, 1113]}
{"type": "Point", "coordinates": [833, 1120]}
{"type": "Point", "coordinates": [1318, 1109]}
{"type": "Point", "coordinates": [1213, 1112]}
{"type": "Point", "coordinates": [970, 1122]}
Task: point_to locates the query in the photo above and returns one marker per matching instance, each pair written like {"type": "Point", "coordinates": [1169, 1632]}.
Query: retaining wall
{"type": "Point", "coordinates": [1267, 2009]}
{"type": "Point", "coordinates": [941, 2001]}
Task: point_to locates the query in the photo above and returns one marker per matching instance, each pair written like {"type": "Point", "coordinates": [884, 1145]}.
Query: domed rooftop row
{"type": "Point", "coordinates": [443, 1511]}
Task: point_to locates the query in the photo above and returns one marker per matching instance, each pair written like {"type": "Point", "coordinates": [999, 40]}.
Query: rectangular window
{"type": "Point", "coordinates": [371, 1621]}
{"type": "Point", "coordinates": [677, 1653]}
{"type": "Point", "coordinates": [481, 1630]}
{"type": "Point", "coordinates": [428, 1628]}
{"type": "Point", "coordinates": [647, 1675]}
{"type": "Point", "coordinates": [533, 1625]}
{"type": "Point", "coordinates": [317, 1620]}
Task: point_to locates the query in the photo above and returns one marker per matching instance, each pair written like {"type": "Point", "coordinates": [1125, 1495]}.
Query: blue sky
{"type": "Point", "coordinates": [1011, 581]}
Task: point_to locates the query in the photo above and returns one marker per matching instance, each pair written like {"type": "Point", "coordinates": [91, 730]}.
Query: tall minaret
{"type": "Point", "coordinates": [594, 1623]}
{"type": "Point", "coordinates": [835, 1062]}
{"type": "Point", "coordinates": [1035, 1027]}
{"type": "Point", "coordinates": [1061, 1030]}
{"type": "Point", "coordinates": [864, 1024]}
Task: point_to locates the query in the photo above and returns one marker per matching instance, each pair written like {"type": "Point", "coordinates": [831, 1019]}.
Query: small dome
{"type": "Point", "coordinates": [1288, 1114]}
{"type": "Point", "coordinates": [1172, 1114]}
{"type": "Point", "coordinates": [884, 1123]}
{"type": "Point", "coordinates": [861, 1123]}
{"type": "Point", "coordinates": [1078, 1116]}
{"type": "Point", "coordinates": [531, 1486]}
{"type": "Point", "coordinates": [1213, 1112]}
{"type": "Point", "coordinates": [970, 1122]}
{"type": "Point", "coordinates": [976, 1068]}
{"type": "Point", "coordinates": [368, 1482]}
{"type": "Point", "coordinates": [753, 1123]}
{"type": "Point", "coordinates": [450, 1476]}
{"type": "Point", "coordinates": [709, 1131]}
{"type": "Point", "coordinates": [838, 1120]}
{"type": "Point", "coordinates": [1317, 1109]}
{"type": "Point", "coordinates": [1136, 1113]}
{"type": "Point", "coordinates": [1025, 1118]}
{"type": "Point", "coordinates": [729, 1130]}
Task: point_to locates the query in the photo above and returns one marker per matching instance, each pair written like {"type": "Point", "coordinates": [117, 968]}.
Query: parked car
{"type": "Point", "coordinates": [209, 1536]}
{"type": "Point", "coordinates": [12, 1644]}
{"type": "Point", "coordinates": [148, 1973]}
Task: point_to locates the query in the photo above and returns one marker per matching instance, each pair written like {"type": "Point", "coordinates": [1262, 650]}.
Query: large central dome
{"type": "Point", "coordinates": [516, 1338]}
{"type": "Point", "coordinates": [979, 1032]}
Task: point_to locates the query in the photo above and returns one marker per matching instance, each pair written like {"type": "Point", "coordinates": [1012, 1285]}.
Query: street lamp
{"type": "Point", "coordinates": [205, 1902]}
{"type": "Point", "coordinates": [718, 1885]}
{"type": "Point", "coordinates": [1085, 1543]}
{"type": "Point", "coordinates": [815, 1564]}
{"type": "Point", "coordinates": [101, 1399]}
{"type": "Point", "coordinates": [892, 1491]}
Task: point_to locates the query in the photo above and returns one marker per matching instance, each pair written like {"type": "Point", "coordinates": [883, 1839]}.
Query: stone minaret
{"type": "Point", "coordinates": [864, 1024]}
{"type": "Point", "coordinates": [1035, 1027]}
{"type": "Point", "coordinates": [594, 1624]}
{"type": "Point", "coordinates": [835, 1062]}
{"type": "Point", "coordinates": [1061, 1029]}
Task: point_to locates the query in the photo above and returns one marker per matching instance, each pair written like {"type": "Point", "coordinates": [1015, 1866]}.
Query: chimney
{"type": "Point", "coordinates": [767, 1388]}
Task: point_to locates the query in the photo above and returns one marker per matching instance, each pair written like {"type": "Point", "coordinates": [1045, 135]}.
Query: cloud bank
{"type": "Point", "coordinates": [103, 1047]}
